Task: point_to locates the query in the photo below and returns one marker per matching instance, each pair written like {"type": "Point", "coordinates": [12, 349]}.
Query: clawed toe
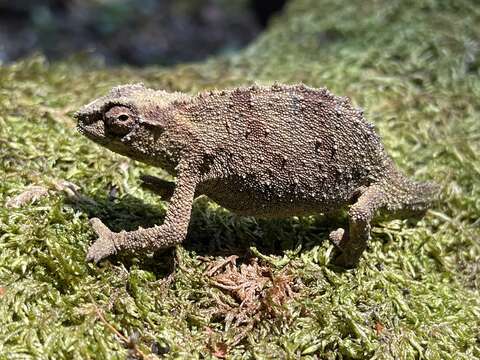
{"type": "Point", "coordinates": [343, 256]}
{"type": "Point", "coordinates": [337, 236]}
{"type": "Point", "coordinates": [99, 227]}
{"type": "Point", "coordinates": [104, 246]}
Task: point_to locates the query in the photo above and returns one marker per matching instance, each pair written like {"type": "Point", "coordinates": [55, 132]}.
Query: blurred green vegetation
{"type": "Point", "coordinates": [412, 65]}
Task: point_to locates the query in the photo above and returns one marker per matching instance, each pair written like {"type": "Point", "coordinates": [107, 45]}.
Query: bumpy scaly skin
{"type": "Point", "coordinates": [271, 151]}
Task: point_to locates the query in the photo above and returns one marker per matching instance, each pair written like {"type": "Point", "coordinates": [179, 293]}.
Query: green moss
{"type": "Point", "coordinates": [413, 66]}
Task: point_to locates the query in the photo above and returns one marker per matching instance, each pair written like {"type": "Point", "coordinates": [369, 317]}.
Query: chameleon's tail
{"type": "Point", "coordinates": [409, 197]}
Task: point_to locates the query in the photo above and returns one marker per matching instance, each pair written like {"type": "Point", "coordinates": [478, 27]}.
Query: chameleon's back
{"type": "Point", "coordinates": [285, 144]}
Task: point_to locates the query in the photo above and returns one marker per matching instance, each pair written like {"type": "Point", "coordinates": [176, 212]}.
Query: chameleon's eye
{"type": "Point", "coordinates": [119, 120]}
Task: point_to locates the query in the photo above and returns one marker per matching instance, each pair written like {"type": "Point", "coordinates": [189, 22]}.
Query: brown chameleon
{"type": "Point", "coordinates": [266, 151]}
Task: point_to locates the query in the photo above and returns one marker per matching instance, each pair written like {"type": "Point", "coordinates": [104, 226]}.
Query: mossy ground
{"type": "Point", "coordinates": [412, 65]}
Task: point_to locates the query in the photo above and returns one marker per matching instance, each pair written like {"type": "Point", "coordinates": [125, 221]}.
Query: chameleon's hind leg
{"type": "Point", "coordinates": [352, 242]}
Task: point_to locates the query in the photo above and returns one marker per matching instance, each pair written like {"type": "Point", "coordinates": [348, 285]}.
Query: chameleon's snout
{"type": "Point", "coordinates": [84, 117]}
{"type": "Point", "coordinates": [79, 116]}
{"type": "Point", "coordinates": [90, 124]}
{"type": "Point", "coordinates": [90, 113]}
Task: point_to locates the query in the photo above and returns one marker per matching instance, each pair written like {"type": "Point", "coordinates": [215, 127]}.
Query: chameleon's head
{"type": "Point", "coordinates": [129, 120]}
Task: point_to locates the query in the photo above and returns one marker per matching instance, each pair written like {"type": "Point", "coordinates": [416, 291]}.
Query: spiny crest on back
{"type": "Point", "coordinates": [320, 98]}
{"type": "Point", "coordinates": [273, 88]}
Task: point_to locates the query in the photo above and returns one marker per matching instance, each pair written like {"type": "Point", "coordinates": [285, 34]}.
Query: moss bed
{"type": "Point", "coordinates": [413, 66]}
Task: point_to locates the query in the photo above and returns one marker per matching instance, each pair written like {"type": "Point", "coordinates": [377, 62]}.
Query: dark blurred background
{"type": "Point", "coordinates": [134, 32]}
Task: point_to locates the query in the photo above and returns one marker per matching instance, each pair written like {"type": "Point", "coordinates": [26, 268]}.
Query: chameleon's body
{"type": "Point", "coordinates": [259, 151]}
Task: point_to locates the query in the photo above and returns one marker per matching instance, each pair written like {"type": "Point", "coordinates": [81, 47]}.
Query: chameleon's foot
{"type": "Point", "coordinates": [346, 254]}
{"type": "Point", "coordinates": [104, 246]}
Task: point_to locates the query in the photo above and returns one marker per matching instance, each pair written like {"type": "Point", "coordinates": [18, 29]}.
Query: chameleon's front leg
{"type": "Point", "coordinates": [173, 230]}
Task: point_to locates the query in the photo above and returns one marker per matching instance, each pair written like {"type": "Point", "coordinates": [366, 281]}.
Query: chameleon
{"type": "Point", "coordinates": [262, 151]}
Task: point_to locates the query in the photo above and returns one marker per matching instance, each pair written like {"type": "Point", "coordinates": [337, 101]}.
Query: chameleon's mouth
{"type": "Point", "coordinates": [98, 139]}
